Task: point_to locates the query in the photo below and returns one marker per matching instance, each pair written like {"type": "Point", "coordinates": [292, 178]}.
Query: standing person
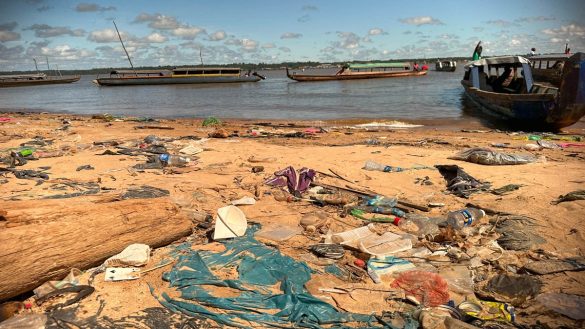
{"type": "Point", "coordinates": [533, 51]}
{"type": "Point", "coordinates": [477, 51]}
{"type": "Point", "coordinates": [415, 67]}
{"type": "Point", "coordinates": [567, 49]}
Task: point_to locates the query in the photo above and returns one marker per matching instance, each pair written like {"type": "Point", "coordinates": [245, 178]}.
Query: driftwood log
{"type": "Point", "coordinates": [42, 240]}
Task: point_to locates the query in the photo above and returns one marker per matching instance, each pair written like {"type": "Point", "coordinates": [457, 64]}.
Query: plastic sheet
{"type": "Point", "coordinates": [486, 156]}
{"type": "Point", "coordinates": [261, 270]}
{"type": "Point", "coordinates": [430, 289]}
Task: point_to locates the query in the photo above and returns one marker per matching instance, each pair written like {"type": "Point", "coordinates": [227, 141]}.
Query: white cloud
{"type": "Point", "coordinates": [158, 21]}
{"type": "Point", "coordinates": [156, 38]}
{"type": "Point", "coordinates": [269, 45]}
{"type": "Point", "coordinates": [284, 49]}
{"type": "Point", "coordinates": [499, 22]}
{"type": "Point", "coordinates": [376, 31]}
{"type": "Point", "coordinates": [421, 20]}
{"type": "Point", "coordinates": [571, 30]}
{"type": "Point", "coordinates": [348, 40]}
{"type": "Point", "coordinates": [105, 35]}
{"type": "Point", "coordinates": [217, 36]}
{"type": "Point", "coordinates": [291, 35]}
{"type": "Point", "coordinates": [187, 32]}
{"type": "Point", "coordinates": [249, 45]}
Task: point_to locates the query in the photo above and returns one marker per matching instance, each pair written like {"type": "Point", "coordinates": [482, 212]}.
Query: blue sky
{"type": "Point", "coordinates": [80, 35]}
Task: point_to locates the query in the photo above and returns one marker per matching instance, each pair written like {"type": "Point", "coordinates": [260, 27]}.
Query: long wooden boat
{"type": "Point", "coordinates": [446, 66]}
{"type": "Point", "coordinates": [35, 79]}
{"type": "Point", "coordinates": [515, 97]}
{"type": "Point", "coordinates": [548, 67]}
{"type": "Point", "coordinates": [361, 71]}
{"type": "Point", "coordinates": [177, 76]}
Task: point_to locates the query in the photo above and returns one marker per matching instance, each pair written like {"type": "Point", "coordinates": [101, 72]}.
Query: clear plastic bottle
{"type": "Point", "coordinates": [464, 217]}
{"type": "Point", "coordinates": [374, 166]}
{"type": "Point", "coordinates": [171, 160]}
{"type": "Point", "coordinates": [417, 225]}
{"type": "Point", "coordinates": [382, 210]}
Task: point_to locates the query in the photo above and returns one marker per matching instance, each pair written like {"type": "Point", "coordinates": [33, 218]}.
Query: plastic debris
{"type": "Point", "coordinates": [430, 289]}
{"type": "Point", "coordinates": [136, 254]}
{"type": "Point", "coordinates": [572, 306]}
{"type": "Point", "coordinates": [486, 156]}
{"type": "Point", "coordinates": [229, 223]}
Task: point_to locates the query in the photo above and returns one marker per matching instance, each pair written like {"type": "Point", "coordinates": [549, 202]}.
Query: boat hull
{"type": "Point", "coordinates": [132, 81]}
{"type": "Point", "coordinates": [305, 78]}
{"type": "Point", "coordinates": [47, 81]}
{"type": "Point", "coordinates": [446, 69]}
{"type": "Point", "coordinates": [527, 111]}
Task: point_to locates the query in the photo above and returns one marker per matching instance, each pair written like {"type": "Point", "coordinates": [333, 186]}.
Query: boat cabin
{"type": "Point", "coordinates": [506, 74]}
{"type": "Point", "coordinates": [23, 77]}
{"type": "Point", "coordinates": [374, 67]}
{"type": "Point", "coordinates": [139, 73]}
{"type": "Point", "coordinates": [444, 65]}
{"type": "Point", "coordinates": [548, 68]}
{"type": "Point", "coordinates": [207, 71]}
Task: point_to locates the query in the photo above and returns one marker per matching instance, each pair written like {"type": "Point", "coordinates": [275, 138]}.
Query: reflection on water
{"type": "Point", "coordinates": [435, 96]}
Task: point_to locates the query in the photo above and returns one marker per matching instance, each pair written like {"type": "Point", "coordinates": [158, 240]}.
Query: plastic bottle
{"type": "Point", "coordinates": [382, 210]}
{"type": "Point", "coordinates": [380, 201]}
{"type": "Point", "coordinates": [417, 225]}
{"type": "Point", "coordinates": [464, 217]}
{"type": "Point", "coordinates": [374, 166]}
{"type": "Point", "coordinates": [171, 160]}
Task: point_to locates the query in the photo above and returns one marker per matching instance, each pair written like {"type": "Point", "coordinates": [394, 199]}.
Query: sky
{"type": "Point", "coordinates": [81, 35]}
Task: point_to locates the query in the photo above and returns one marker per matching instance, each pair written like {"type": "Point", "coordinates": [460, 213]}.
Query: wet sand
{"type": "Point", "coordinates": [225, 174]}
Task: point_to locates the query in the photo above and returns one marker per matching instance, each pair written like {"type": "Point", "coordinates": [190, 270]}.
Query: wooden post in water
{"type": "Point", "coordinates": [129, 60]}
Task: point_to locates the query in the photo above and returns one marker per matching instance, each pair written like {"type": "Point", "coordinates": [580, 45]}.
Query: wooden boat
{"type": "Point", "coordinates": [446, 66]}
{"type": "Point", "coordinates": [515, 97]}
{"type": "Point", "coordinates": [35, 79]}
{"type": "Point", "coordinates": [190, 75]}
{"type": "Point", "coordinates": [548, 67]}
{"type": "Point", "coordinates": [361, 71]}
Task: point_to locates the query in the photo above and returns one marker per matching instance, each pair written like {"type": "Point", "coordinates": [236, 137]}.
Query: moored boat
{"type": "Point", "coordinates": [514, 96]}
{"type": "Point", "coordinates": [446, 66]}
{"type": "Point", "coordinates": [361, 71]}
{"type": "Point", "coordinates": [19, 80]}
{"type": "Point", "coordinates": [193, 75]}
{"type": "Point", "coordinates": [548, 67]}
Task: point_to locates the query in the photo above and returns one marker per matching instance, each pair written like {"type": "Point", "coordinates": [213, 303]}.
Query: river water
{"type": "Point", "coordinates": [436, 97]}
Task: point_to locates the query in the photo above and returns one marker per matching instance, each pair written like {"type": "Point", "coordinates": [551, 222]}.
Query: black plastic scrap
{"type": "Point", "coordinates": [571, 196]}
{"type": "Point", "coordinates": [506, 189]}
{"type": "Point", "coordinates": [144, 192]}
{"type": "Point", "coordinates": [459, 182]}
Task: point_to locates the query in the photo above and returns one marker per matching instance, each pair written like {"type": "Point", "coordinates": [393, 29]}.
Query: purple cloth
{"type": "Point", "coordinates": [288, 177]}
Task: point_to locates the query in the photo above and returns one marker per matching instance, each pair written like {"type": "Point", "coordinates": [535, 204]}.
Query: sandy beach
{"type": "Point", "coordinates": [221, 171]}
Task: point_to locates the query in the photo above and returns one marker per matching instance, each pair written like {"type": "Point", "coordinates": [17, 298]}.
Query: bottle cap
{"type": "Point", "coordinates": [397, 220]}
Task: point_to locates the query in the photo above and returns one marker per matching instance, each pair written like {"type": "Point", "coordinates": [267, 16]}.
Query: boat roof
{"type": "Point", "coordinates": [558, 56]}
{"type": "Point", "coordinates": [205, 68]}
{"type": "Point", "coordinates": [138, 71]}
{"type": "Point", "coordinates": [375, 65]}
{"type": "Point", "coordinates": [499, 61]}
{"type": "Point", "coordinates": [16, 76]}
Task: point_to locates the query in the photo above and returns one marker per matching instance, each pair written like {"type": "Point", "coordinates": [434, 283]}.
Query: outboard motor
{"type": "Point", "coordinates": [259, 76]}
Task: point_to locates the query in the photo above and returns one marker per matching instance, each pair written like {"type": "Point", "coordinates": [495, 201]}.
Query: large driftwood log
{"type": "Point", "coordinates": [42, 240]}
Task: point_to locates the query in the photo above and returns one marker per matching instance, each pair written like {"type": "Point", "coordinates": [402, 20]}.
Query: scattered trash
{"type": "Point", "coordinates": [328, 250]}
{"type": "Point", "coordinates": [143, 192]}
{"type": "Point", "coordinates": [572, 306]}
{"type": "Point", "coordinates": [459, 182]}
{"type": "Point", "coordinates": [388, 264]}
{"type": "Point", "coordinates": [487, 311]}
{"type": "Point", "coordinates": [244, 201]}
{"type": "Point", "coordinates": [514, 289]}
{"type": "Point", "coordinates": [136, 254]}
{"type": "Point", "coordinates": [85, 167]}
{"type": "Point", "coordinates": [506, 189]}
{"type": "Point", "coordinates": [517, 232]}
{"type": "Point", "coordinates": [288, 177]}
{"type": "Point", "coordinates": [25, 321]}
{"type": "Point", "coordinates": [230, 222]}
{"type": "Point", "coordinates": [257, 169]}
{"type": "Point", "coordinates": [121, 273]}
{"type": "Point", "coordinates": [219, 133]}
{"type": "Point", "coordinates": [550, 266]}
{"type": "Point", "coordinates": [258, 266]}
{"type": "Point", "coordinates": [486, 156]}
{"type": "Point", "coordinates": [571, 196]}
{"type": "Point", "coordinates": [429, 289]}
{"type": "Point", "coordinates": [278, 233]}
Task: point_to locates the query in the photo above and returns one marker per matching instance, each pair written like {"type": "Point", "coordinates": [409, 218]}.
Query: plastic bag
{"type": "Point", "coordinates": [486, 156]}
{"type": "Point", "coordinates": [430, 289]}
